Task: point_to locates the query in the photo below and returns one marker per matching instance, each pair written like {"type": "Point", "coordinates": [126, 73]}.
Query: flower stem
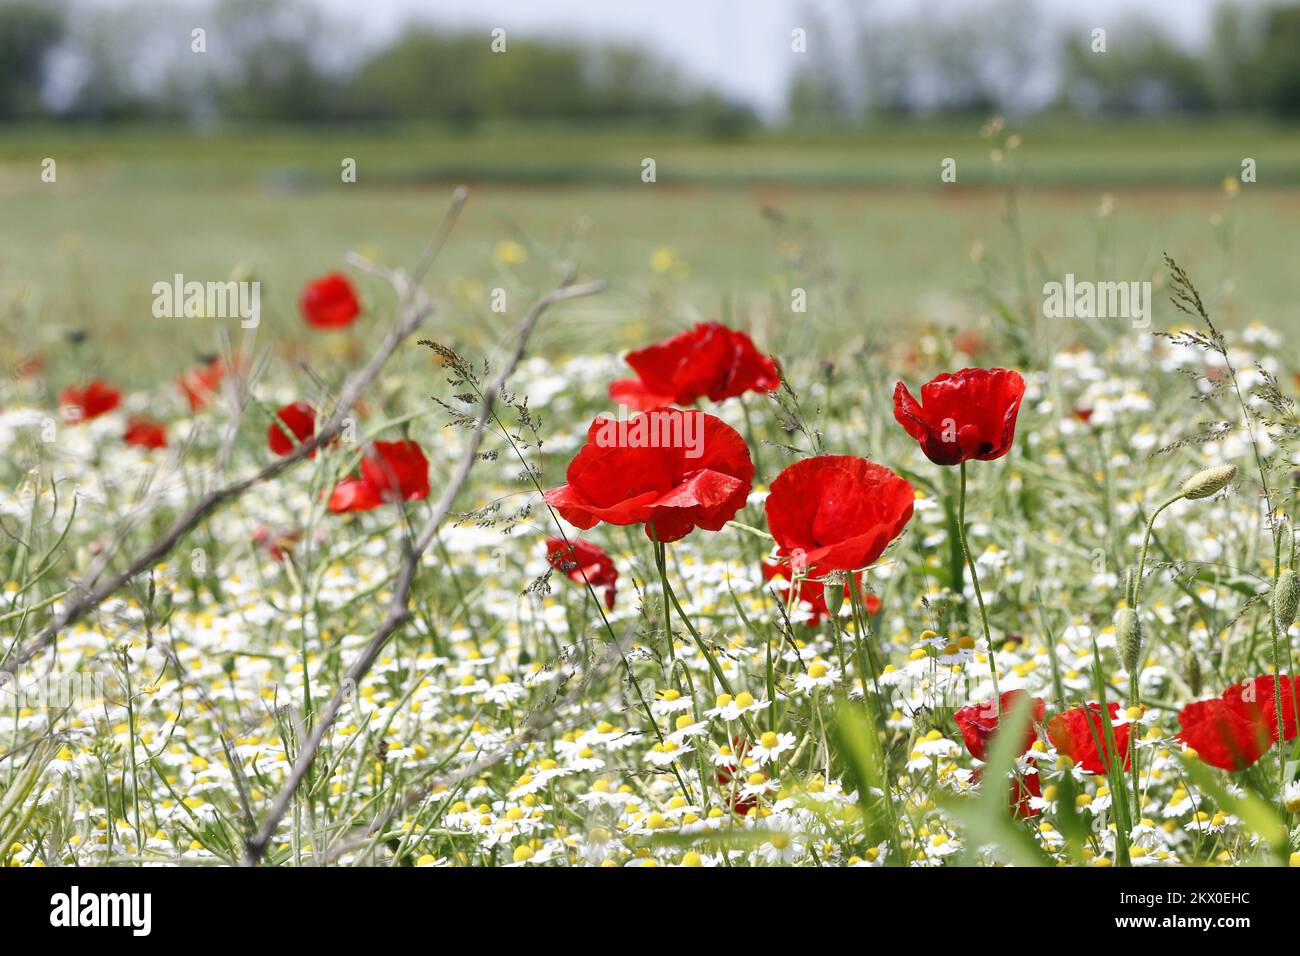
{"type": "Point", "coordinates": [1134, 679]}
{"type": "Point", "coordinates": [866, 664]}
{"type": "Point", "coordinates": [661, 562]}
{"type": "Point", "coordinates": [877, 716]}
{"type": "Point", "coordinates": [671, 596]}
{"type": "Point", "coordinates": [1146, 544]}
{"type": "Point", "coordinates": [975, 580]}
{"type": "Point", "coordinates": [1277, 671]}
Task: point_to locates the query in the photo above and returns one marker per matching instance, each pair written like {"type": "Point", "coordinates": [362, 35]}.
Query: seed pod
{"type": "Point", "coordinates": [1128, 635]}
{"type": "Point", "coordinates": [1286, 597]}
{"type": "Point", "coordinates": [1207, 482]}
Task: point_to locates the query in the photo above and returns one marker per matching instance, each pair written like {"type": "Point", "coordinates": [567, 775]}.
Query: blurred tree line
{"type": "Point", "coordinates": [285, 61]}
{"type": "Point", "coordinates": [1007, 55]}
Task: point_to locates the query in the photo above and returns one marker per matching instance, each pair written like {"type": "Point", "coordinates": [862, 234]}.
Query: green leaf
{"type": "Point", "coordinates": [859, 746]}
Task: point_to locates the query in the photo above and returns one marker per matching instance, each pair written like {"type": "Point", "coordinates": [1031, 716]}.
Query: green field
{"type": "Point", "coordinates": [382, 649]}
{"type": "Point", "coordinates": [862, 220]}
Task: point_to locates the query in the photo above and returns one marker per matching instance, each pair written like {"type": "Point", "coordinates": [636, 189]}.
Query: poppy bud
{"type": "Point", "coordinates": [1128, 635]}
{"type": "Point", "coordinates": [834, 595]}
{"type": "Point", "coordinates": [1192, 673]}
{"type": "Point", "coordinates": [1286, 596]}
{"type": "Point", "coordinates": [1207, 482]}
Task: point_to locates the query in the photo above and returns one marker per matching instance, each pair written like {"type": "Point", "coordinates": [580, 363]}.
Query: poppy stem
{"type": "Point", "coordinates": [868, 664]}
{"type": "Point", "coordinates": [1277, 670]}
{"type": "Point", "coordinates": [596, 602]}
{"type": "Point", "coordinates": [877, 714]}
{"type": "Point", "coordinates": [1134, 689]}
{"type": "Point", "coordinates": [839, 644]}
{"type": "Point", "coordinates": [1146, 544]}
{"type": "Point", "coordinates": [627, 664]}
{"type": "Point", "coordinates": [975, 580]}
{"type": "Point", "coordinates": [661, 562]}
{"type": "Point", "coordinates": [670, 595]}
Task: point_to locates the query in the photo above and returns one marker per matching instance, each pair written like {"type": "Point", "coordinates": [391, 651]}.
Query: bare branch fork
{"type": "Point", "coordinates": [90, 592]}
{"type": "Point", "coordinates": [398, 611]}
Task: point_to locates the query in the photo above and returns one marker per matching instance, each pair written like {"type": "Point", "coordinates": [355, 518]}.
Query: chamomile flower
{"type": "Point", "coordinates": [770, 746]}
{"type": "Point", "coordinates": [781, 848]}
{"type": "Point", "coordinates": [941, 845]}
{"type": "Point", "coordinates": [685, 727]}
{"type": "Point", "coordinates": [935, 744]}
{"type": "Point", "coordinates": [1179, 804]}
{"type": "Point", "coordinates": [1291, 796]}
{"type": "Point", "coordinates": [728, 708]}
{"type": "Point", "coordinates": [670, 701]}
{"type": "Point", "coordinates": [667, 752]}
{"type": "Point", "coordinates": [819, 675]}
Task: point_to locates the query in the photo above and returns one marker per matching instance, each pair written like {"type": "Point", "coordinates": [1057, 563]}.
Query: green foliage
{"type": "Point", "coordinates": [28, 31]}
{"type": "Point", "coordinates": [1141, 71]}
{"type": "Point", "coordinates": [1277, 69]}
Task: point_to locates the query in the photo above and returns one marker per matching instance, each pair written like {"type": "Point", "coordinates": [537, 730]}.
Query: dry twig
{"type": "Point", "coordinates": [399, 606]}
{"type": "Point", "coordinates": [89, 592]}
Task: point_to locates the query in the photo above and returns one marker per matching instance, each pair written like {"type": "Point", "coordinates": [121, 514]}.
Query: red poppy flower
{"type": "Point", "coordinates": [837, 512]}
{"type": "Point", "coordinates": [1222, 735]}
{"type": "Point", "coordinates": [979, 722]}
{"type": "Point", "coordinates": [145, 433]}
{"type": "Point", "coordinates": [969, 414]}
{"type": "Point", "coordinates": [1080, 735]}
{"type": "Point", "coordinates": [669, 469]}
{"type": "Point", "coordinates": [392, 471]}
{"type": "Point", "coordinates": [199, 384]}
{"type": "Point", "coordinates": [354, 494]}
{"type": "Point", "coordinates": [1255, 700]}
{"type": "Point", "coordinates": [709, 360]}
{"type": "Point", "coordinates": [397, 469]}
{"type": "Point", "coordinates": [1233, 731]}
{"type": "Point", "coordinates": [813, 591]}
{"type": "Point", "coordinates": [93, 399]}
{"type": "Point", "coordinates": [633, 393]}
{"type": "Point", "coordinates": [584, 563]}
{"type": "Point", "coordinates": [298, 418]}
{"type": "Point", "coordinates": [329, 302]}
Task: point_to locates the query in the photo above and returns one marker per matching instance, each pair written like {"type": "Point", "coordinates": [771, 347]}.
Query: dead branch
{"type": "Point", "coordinates": [89, 592]}
{"type": "Point", "coordinates": [398, 611]}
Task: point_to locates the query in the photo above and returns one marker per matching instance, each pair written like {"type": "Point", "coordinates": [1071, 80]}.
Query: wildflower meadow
{"type": "Point", "coordinates": [384, 560]}
{"type": "Point", "coordinates": [765, 612]}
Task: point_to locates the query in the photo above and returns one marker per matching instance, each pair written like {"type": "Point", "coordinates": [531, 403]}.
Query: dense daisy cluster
{"type": "Point", "coordinates": [775, 651]}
